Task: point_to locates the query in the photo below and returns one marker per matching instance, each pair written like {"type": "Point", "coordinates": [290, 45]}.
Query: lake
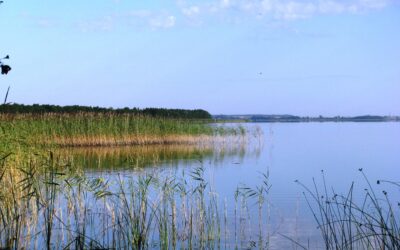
{"type": "Point", "coordinates": [232, 171]}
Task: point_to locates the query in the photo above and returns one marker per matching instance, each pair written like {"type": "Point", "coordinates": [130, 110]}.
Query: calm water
{"type": "Point", "coordinates": [288, 152]}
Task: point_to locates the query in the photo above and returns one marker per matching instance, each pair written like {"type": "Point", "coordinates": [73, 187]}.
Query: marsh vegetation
{"type": "Point", "coordinates": [187, 196]}
{"type": "Point", "coordinates": [105, 129]}
{"type": "Point", "coordinates": [367, 219]}
{"type": "Point", "coordinates": [47, 199]}
{"type": "Point", "coordinates": [49, 202]}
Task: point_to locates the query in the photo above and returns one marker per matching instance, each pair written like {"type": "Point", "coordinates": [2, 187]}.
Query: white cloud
{"type": "Point", "coordinates": [137, 18]}
{"type": "Point", "coordinates": [191, 11]}
{"type": "Point", "coordinates": [41, 21]}
{"type": "Point", "coordinates": [137, 14]}
{"type": "Point", "coordinates": [162, 22]}
{"type": "Point", "coordinates": [198, 12]}
{"type": "Point", "coordinates": [102, 24]}
{"type": "Point", "coordinates": [295, 9]}
{"type": "Point", "coordinates": [225, 3]}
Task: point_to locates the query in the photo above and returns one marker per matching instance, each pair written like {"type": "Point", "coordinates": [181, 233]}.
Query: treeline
{"type": "Point", "coordinates": [154, 112]}
{"type": "Point", "coordinates": [293, 118]}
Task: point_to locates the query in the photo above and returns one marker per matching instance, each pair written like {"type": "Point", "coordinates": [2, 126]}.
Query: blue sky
{"type": "Point", "coordinates": [306, 57]}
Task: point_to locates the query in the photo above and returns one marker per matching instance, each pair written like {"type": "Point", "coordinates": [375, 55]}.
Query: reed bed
{"type": "Point", "coordinates": [46, 201]}
{"type": "Point", "coordinates": [106, 129]}
{"type": "Point", "coordinates": [50, 204]}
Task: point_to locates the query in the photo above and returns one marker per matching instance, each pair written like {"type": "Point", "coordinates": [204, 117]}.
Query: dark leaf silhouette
{"type": "Point", "coordinates": [5, 69]}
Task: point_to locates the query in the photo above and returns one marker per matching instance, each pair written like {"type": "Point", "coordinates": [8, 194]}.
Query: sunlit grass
{"type": "Point", "coordinates": [49, 204]}
{"type": "Point", "coordinates": [104, 129]}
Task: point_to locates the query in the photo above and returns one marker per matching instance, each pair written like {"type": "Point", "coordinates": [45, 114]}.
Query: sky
{"type": "Point", "coordinates": [301, 57]}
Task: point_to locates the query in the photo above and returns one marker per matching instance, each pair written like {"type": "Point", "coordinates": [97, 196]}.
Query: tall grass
{"type": "Point", "coordinates": [348, 222]}
{"type": "Point", "coordinates": [49, 204]}
{"type": "Point", "coordinates": [99, 129]}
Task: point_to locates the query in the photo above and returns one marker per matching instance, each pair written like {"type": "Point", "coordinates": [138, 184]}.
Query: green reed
{"type": "Point", "coordinates": [347, 222]}
{"type": "Point", "coordinates": [99, 129]}
{"type": "Point", "coordinates": [48, 203]}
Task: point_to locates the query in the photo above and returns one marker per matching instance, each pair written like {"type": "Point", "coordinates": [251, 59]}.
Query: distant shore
{"type": "Point", "coordinates": [293, 118]}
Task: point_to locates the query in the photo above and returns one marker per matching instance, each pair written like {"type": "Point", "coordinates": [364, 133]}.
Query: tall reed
{"type": "Point", "coordinates": [347, 222]}
{"type": "Point", "coordinates": [50, 204]}
{"type": "Point", "coordinates": [100, 129]}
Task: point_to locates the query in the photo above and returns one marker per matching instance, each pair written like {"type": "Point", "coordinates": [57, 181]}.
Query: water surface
{"type": "Point", "coordinates": [286, 152]}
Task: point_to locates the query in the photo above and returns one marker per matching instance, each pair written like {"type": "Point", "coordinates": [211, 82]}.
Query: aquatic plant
{"type": "Point", "coordinates": [348, 222]}
{"type": "Point", "coordinates": [51, 204]}
{"type": "Point", "coordinates": [105, 129]}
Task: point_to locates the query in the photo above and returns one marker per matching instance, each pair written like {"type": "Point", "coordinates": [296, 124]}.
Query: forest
{"type": "Point", "coordinates": [152, 112]}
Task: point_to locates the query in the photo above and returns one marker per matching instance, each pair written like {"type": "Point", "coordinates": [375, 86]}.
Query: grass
{"type": "Point", "coordinates": [104, 129]}
{"type": "Point", "coordinates": [348, 222]}
{"type": "Point", "coordinates": [49, 204]}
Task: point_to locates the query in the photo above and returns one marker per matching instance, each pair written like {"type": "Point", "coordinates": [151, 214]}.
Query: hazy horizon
{"type": "Point", "coordinates": [306, 58]}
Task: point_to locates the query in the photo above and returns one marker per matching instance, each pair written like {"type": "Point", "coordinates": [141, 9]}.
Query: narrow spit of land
{"type": "Point", "coordinates": [46, 125]}
{"type": "Point", "coordinates": [294, 118]}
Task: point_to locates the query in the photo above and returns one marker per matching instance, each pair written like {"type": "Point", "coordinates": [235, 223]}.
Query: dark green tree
{"type": "Point", "coordinates": [153, 112]}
